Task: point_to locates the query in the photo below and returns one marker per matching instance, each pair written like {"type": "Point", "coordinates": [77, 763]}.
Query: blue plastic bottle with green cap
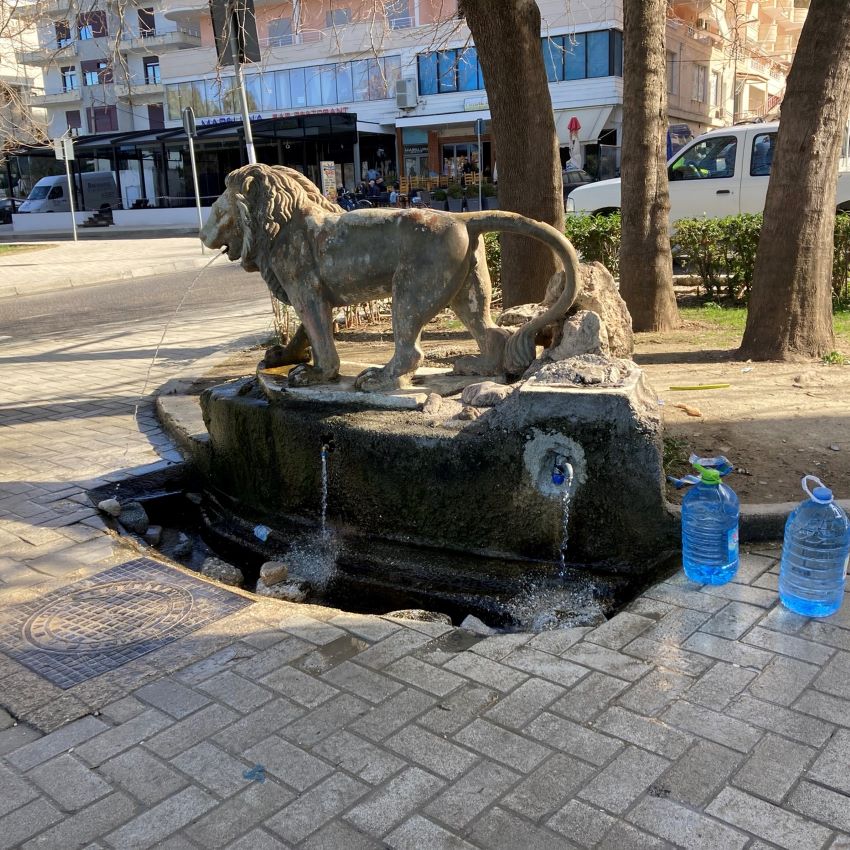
{"type": "Point", "coordinates": [814, 554]}
{"type": "Point", "coordinates": [710, 514]}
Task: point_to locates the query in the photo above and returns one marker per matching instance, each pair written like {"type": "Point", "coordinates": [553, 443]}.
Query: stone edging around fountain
{"type": "Point", "coordinates": [180, 417]}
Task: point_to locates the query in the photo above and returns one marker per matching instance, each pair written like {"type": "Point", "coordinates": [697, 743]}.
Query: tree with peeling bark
{"type": "Point", "coordinates": [507, 37]}
{"type": "Point", "coordinates": [646, 263]}
{"type": "Point", "coordinates": [790, 310]}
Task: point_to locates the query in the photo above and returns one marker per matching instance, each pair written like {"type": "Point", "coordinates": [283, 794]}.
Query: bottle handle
{"type": "Point", "coordinates": [805, 486]}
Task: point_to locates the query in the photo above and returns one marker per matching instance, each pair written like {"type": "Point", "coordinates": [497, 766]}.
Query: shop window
{"type": "Point", "coordinates": [298, 87]}
{"type": "Point", "coordinates": [314, 86]}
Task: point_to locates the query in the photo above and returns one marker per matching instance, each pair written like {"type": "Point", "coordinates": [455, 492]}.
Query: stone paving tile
{"type": "Point", "coordinates": [619, 630]}
{"type": "Point", "coordinates": [497, 647]}
{"type": "Point", "coordinates": [453, 713]}
{"type": "Point", "coordinates": [259, 839]}
{"type": "Point", "coordinates": [607, 661]}
{"type": "Point", "coordinates": [501, 745]}
{"type": "Point", "coordinates": [387, 806]}
{"type": "Point", "coordinates": [831, 767]}
{"type": "Point", "coordinates": [235, 691]}
{"type": "Point", "coordinates": [786, 644]}
{"type": "Point", "coordinates": [14, 791]}
{"type": "Point", "coordinates": [433, 753]}
{"type": "Point", "coordinates": [229, 819]}
{"type": "Point", "coordinates": [684, 827]}
{"type": "Point", "coordinates": [150, 827]}
{"type": "Point", "coordinates": [624, 780]}
{"type": "Point", "coordinates": [211, 767]}
{"type": "Point", "coordinates": [501, 830]}
{"type": "Point", "coordinates": [338, 834]}
{"type": "Point", "coordinates": [545, 790]}
{"type": "Point", "coordinates": [573, 738]}
{"type": "Point", "coordinates": [254, 727]}
{"type": "Point", "coordinates": [668, 655]}
{"type": "Point", "coordinates": [369, 628]}
{"type": "Point", "coordinates": [785, 721]}
{"type": "Point", "coordinates": [392, 648]}
{"type": "Point", "coordinates": [712, 725]}
{"type": "Point", "coordinates": [823, 633]}
{"type": "Point", "coordinates": [72, 735]}
{"type": "Point", "coordinates": [433, 679]}
{"type": "Point", "coordinates": [728, 650]}
{"type": "Point", "coordinates": [774, 767]}
{"type": "Point", "coordinates": [466, 798]}
{"type": "Point", "coordinates": [289, 763]}
{"type": "Point", "coordinates": [821, 804]}
{"type": "Point", "coordinates": [145, 777]}
{"type": "Point", "coordinates": [69, 782]}
{"type": "Point", "coordinates": [19, 825]}
{"type": "Point", "coordinates": [486, 672]}
{"type": "Point", "coordinates": [832, 709]}
{"type": "Point", "coordinates": [368, 684]}
{"type": "Point", "coordinates": [783, 680]}
{"type": "Point", "coordinates": [360, 757]}
{"type": "Point", "coordinates": [654, 692]}
{"type": "Point", "coordinates": [185, 733]}
{"type": "Point", "coordinates": [419, 832]}
{"type": "Point", "coordinates": [325, 720]}
{"type": "Point", "coordinates": [523, 704]}
{"type": "Point", "coordinates": [649, 733]}
{"type": "Point", "coordinates": [298, 686]}
{"type": "Point", "coordinates": [767, 821]}
{"type": "Point", "coordinates": [717, 688]}
{"type": "Point", "coordinates": [86, 825]}
{"type": "Point", "coordinates": [586, 699]}
{"type": "Point", "coordinates": [835, 678]}
{"type": "Point", "coordinates": [391, 715]}
{"type": "Point", "coordinates": [545, 666]}
{"type": "Point", "coordinates": [172, 697]}
{"type": "Point", "coordinates": [583, 824]}
{"type": "Point", "coordinates": [733, 621]}
{"type": "Point", "coordinates": [696, 777]}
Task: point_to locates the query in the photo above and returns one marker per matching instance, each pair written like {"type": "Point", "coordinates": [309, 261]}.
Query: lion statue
{"type": "Point", "coordinates": [316, 257]}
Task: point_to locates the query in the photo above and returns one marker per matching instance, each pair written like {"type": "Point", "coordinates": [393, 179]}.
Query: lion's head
{"type": "Point", "coordinates": [257, 204]}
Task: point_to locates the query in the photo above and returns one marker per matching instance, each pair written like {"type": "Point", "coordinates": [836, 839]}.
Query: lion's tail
{"type": "Point", "coordinates": [519, 349]}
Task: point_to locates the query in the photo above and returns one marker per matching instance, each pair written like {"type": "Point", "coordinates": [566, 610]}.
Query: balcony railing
{"type": "Point", "coordinates": [129, 89]}
{"type": "Point", "coordinates": [305, 37]}
{"type": "Point", "coordinates": [157, 39]}
{"type": "Point", "coordinates": [41, 98]}
{"type": "Point", "coordinates": [401, 23]}
{"type": "Point", "coordinates": [47, 54]}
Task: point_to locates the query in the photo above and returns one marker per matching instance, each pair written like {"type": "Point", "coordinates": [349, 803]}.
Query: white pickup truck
{"type": "Point", "coordinates": [724, 172]}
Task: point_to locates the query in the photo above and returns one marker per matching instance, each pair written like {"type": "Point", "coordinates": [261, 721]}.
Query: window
{"type": "Point", "coordinates": [344, 91]}
{"type": "Point", "coordinates": [764, 144]}
{"type": "Point", "coordinates": [147, 23]}
{"type": "Point", "coordinates": [156, 119]}
{"type": "Point", "coordinates": [716, 88]}
{"type": "Point", "coordinates": [73, 119]}
{"type": "Point", "coordinates": [102, 119]}
{"type": "Point", "coordinates": [95, 72]}
{"type": "Point", "coordinates": [70, 82]}
{"type": "Point", "coordinates": [91, 25]}
{"type": "Point", "coordinates": [63, 33]}
{"type": "Point", "coordinates": [151, 67]}
{"type": "Point", "coordinates": [580, 56]}
{"type": "Point", "coordinates": [398, 14]}
{"type": "Point", "coordinates": [280, 32]}
{"type": "Point", "coordinates": [672, 72]}
{"type": "Point", "coordinates": [700, 83]}
{"type": "Point", "coordinates": [337, 18]}
{"type": "Point", "coordinates": [55, 193]}
{"type": "Point", "coordinates": [712, 158]}
{"type": "Point", "coordinates": [449, 71]}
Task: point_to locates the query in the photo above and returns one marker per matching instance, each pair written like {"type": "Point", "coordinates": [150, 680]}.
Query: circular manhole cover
{"type": "Point", "coordinates": [108, 616]}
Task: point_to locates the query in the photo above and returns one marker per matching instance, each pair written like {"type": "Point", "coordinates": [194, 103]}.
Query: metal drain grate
{"type": "Point", "coordinates": [98, 624]}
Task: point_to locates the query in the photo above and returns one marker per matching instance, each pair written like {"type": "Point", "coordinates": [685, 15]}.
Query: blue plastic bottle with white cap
{"type": "Point", "coordinates": [814, 554]}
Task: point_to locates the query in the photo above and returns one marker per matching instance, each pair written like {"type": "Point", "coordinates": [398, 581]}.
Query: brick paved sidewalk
{"type": "Point", "coordinates": [697, 718]}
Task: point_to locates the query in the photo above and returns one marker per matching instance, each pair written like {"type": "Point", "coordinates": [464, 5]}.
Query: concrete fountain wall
{"type": "Point", "coordinates": [481, 486]}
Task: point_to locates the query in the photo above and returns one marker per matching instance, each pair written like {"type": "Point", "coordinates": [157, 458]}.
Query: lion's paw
{"type": "Point", "coordinates": [305, 375]}
{"type": "Point", "coordinates": [376, 380]}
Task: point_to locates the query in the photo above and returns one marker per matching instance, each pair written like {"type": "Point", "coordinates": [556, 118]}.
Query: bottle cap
{"type": "Point", "coordinates": [708, 476]}
{"type": "Point", "coordinates": [822, 495]}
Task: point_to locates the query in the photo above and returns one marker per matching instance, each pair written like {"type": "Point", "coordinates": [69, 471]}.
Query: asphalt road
{"type": "Point", "coordinates": [92, 307]}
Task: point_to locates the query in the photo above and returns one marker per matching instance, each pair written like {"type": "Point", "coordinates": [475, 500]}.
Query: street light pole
{"type": "Point", "coordinates": [240, 85]}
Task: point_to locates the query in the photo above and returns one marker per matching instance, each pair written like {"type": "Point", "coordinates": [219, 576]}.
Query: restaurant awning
{"type": "Point", "coordinates": [591, 118]}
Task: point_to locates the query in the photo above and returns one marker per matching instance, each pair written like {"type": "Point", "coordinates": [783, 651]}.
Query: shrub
{"type": "Point", "coordinates": [596, 238]}
{"type": "Point", "coordinates": [841, 260]}
{"type": "Point", "coordinates": [698, 241]}
{"type": "Point", "coordinates": [455, 190]}
{"type": "Point", "coordinates": [438, 195]}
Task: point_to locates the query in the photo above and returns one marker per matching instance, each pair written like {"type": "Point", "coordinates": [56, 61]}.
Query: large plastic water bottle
{"type": "Point", "coordinates": [814, 554]}
{"type": "Point", "coordinates": [710, 530]}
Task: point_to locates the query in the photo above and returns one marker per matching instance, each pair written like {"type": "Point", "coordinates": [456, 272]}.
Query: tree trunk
{"type": "Point", "coordinates": [790, 312]}
{"type": "Point", "coordinates": [646, 263]}
{"type": "Point", "coordinates": [507, 36]}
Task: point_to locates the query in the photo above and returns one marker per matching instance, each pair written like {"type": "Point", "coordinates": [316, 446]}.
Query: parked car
{"type": "Point", "coordinates": [573, 178]}
{"type": "Point", "coordinates": [724, 172]}
{"type": "Point", "coordinates": [6, 210]}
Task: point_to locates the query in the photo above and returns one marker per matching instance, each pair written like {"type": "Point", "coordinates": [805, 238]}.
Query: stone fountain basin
{"type": "Point", "coordinates": [483, 485]}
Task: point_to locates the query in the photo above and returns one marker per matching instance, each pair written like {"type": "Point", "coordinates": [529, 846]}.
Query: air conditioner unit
{"type": "Point", "coordinates": [406, 95]}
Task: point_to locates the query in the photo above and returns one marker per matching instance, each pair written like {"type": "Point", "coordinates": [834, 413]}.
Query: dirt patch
{"type": "Point", "coordinates": [774, 421]}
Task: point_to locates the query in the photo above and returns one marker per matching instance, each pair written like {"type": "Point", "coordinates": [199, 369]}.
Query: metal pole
{"type": "Point", "coordinates": [480, 161]}
{"type": "Point", "coordinates": [240, 85]}
{"type": "Point", "coordinates": [197, 188]}
{"type": "Point", "coordinates": [71, 195]}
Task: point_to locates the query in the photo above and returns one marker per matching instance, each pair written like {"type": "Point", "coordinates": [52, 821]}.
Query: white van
{"type": "Point", "coordinates": [50, 194]}
{"type": "Point", "coordinates": [723, 172]}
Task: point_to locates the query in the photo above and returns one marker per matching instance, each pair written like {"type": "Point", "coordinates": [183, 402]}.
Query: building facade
{"type": "Point", "coordinates": [393, 86]}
